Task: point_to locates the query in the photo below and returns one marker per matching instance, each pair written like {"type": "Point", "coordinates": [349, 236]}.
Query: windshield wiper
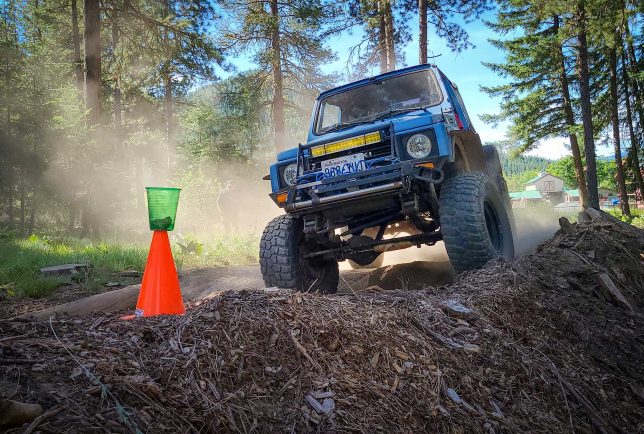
{"type": "Point", "coordinates": [396, 111]}
{"type": "Point", "coordinates": [374, 119]}
{"type": "Point", "coordinates": [346, 125]}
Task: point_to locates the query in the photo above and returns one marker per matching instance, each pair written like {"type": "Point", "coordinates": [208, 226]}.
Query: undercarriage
{"type": "Point", "coordinates": [406, 203]}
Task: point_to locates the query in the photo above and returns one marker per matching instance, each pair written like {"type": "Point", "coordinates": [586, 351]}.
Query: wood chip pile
{"type": "Point", "coordinates": [552, 342]}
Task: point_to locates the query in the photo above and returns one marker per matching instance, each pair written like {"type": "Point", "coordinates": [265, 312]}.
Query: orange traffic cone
{"type": "Point", "coordinates": [160, 293]}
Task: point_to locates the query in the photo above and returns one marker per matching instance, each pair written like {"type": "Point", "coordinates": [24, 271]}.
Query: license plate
{"type": "Point", "coordinates": [343, 165]}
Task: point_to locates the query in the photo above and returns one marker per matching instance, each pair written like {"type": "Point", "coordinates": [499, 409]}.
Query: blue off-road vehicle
{"type": "Point", "coordinates": [389, 155]}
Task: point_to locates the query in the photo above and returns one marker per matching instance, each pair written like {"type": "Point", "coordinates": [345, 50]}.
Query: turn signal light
{"type": "Point", "coordinates": [281, 198]}
{"type": "Point", "coordinates": [428, 165]}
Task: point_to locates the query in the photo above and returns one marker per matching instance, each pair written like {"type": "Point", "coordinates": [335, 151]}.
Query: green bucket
{"type": "Point", "coordinates": [162, 207]}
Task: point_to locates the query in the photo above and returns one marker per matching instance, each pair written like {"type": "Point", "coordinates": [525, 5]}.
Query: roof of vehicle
{"type": "Point", "coordinates": [375, 78]}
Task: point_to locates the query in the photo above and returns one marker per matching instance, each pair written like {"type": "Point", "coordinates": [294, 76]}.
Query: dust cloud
{"type": "Point", "coordinates": [533, 226]}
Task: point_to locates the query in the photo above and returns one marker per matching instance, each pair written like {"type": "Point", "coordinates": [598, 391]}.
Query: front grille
{"type": "Point", "coordinates": [375, 150]}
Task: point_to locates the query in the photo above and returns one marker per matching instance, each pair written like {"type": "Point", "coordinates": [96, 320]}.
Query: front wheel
{"type": "Point", "coordinates": [474, 221]}
{"type": "Point", "coordinates": [282, 252]}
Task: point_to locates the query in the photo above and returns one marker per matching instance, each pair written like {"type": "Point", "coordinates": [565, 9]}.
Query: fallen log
{"type": "Point", "coordinates": [614, 292]}
{"type": "Point", "coordinates": [15, 413]}
{"type": "Point", "coordinates": [112, 301]}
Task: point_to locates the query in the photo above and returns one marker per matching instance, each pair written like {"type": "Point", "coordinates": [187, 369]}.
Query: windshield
{"type": "Point", "coordinates": [368, 103]}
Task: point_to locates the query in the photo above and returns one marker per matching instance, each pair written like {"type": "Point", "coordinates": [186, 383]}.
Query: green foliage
{"type": "Point", "coordinates": [532, 97]}
{"type": "Point", "coordinates": [517, 181]}
{"type": "Point", "coordinates": [518, 169]}
{"type": "Point", "coordinates": [564, 168]}
{"type": "Point", "coordinates": [522, 163]}
{"type": "Point", "coordinates": [636, 218]}
{"type": "Point", "coordinates": [22, 258]}
{"type": "Point", "coordinates": [554, 51]}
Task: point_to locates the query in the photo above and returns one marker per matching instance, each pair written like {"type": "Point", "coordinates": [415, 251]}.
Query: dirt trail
{"type": "Point", "coordinates": [414, 275]}
{"type": "Point", "coordinates": [414, 268]}
{"type": "Point", "coordinates": [552, 342]}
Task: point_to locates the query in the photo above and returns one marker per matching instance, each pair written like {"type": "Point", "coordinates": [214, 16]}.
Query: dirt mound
{"type": "Point", "coordinates": [413, 275]}
{"type": "Point", "coordinates": [552, 342]}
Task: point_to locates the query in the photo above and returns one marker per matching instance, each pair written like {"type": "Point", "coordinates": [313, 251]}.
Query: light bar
{"type": "Point", "coordinates": [343, 145]}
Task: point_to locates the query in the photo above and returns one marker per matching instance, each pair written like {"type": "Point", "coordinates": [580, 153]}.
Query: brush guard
{"type": "Point", "coordinates": [392, 178]}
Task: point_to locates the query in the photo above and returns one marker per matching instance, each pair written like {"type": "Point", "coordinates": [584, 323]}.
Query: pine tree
{"type": "Point", "coordinates": [585, 103]}
{"type": "Point", "coordinates": [286, 40]}
{"type": "Point", "coordinates": [441, 17]}
{"type": "Point", "coordinates": [386, 32]}
{"type": "Point", "coordinates": [93, 60]}
{"type": "Point", "coordinates": [538, 98]}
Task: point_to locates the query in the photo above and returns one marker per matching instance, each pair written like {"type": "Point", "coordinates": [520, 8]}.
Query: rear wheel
{"type": "Point", "coordinates": [474, 221]}
{"type": "Point", "coordinates": [282, 258]}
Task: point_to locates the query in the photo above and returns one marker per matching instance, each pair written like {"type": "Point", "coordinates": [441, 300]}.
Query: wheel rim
{"type": "Point", "coordinates": [493, 225]}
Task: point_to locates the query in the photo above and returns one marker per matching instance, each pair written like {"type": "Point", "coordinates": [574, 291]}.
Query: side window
{"type": "Point", "coordinates": [330, 116]}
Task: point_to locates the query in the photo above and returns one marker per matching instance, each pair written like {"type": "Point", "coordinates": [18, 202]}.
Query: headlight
{"type": "Point", "coordinates": [419, 146]}
{"type": "Point", "coordinates": [290, 174]}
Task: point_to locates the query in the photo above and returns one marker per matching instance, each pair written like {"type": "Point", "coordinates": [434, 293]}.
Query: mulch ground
{"type": "Point", "coordinates": [552, 342]}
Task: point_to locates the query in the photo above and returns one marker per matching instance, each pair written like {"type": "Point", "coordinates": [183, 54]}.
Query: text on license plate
{"type": "Point", "coordinates": [343, 165]}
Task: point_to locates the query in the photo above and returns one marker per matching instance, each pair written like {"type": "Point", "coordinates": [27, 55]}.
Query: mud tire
{"type": "Point", "coordinates": [474, 221]}
{"type": "Point", "coordinates": [280, 259]}
{"type": "Point", "coordinates": [495, 172]}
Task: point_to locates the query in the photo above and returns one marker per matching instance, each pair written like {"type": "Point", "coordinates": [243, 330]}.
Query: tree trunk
{"type": "Point", "coordinates": [93, 60]}
{"type": "Point", "coordinates": [639, 109]}
{"type": "Point", "coordinates": [138, 182]}
{"type": "Point", "coordinates": [117, 86]}
{"type": "Point", "coordinates": [570, 122]}
{"type": "Point", "coordinates": [22, 201]}
{"type": "Point", "coordinates": [382, 37]}
{"type": "Point", "coordinates": [614, 119]}
{"type": "Point", "coordinates": [168, 101]}
{"type": "Point", "coordinates": [635, 159]}
{"type": "Point", "coordinates": [73, 211]}
{"type": "Point", "coordinates": [422, 31]}
{"type": "Point", "coordinates": [586, 108]}
{"type": "Point", "coordinates": [32, 214]}
{"type": "Point", "coordinates": [389, 36]}
{"type": "Point", "coordinates": [168, 106]}
{"type": "Point", "coordinates": [10, 210]}
{"type": "Point", "coordinates": [278, 82]}
{"type": "Point", "coordinates": [78, 63]}
{"type": "Point", "coordinates": [9, 131]}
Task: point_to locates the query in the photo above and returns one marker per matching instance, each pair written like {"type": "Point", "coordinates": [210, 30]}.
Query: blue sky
{"type": "Point", "coordinates": [464, 69]}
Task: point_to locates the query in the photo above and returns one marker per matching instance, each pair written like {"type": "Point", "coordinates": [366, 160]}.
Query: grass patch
{"type": "Point", "coordinates": [39, 287]}
{"type": "Point", "coordinates": [22, 258]}
{"type": "Point", "coordinates": [192, 252]}
{"type": "Point", "coordinates": [636, 219]}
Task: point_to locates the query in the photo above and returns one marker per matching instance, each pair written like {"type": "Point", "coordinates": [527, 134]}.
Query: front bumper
{"type": "Point", "coordinates": [385, 180]}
